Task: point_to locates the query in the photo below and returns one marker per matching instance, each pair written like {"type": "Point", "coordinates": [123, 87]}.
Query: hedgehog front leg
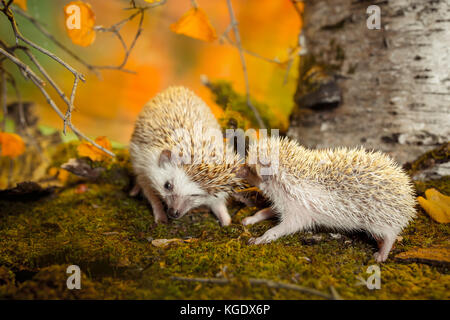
{"type": "Point", "coordinates": [221, 212]}
{"type": "Point", "coordinates": [261, 215]}
{"type": "Point", "coordinates": [155, 202]}
{"type": "Point", "coordinates": [285, 227]}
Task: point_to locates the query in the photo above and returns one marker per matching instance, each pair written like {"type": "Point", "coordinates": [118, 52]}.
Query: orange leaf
{"type": "Point", "coordinates": [79, 22]}
{"type": "Point", "coordinates": [22, 4]}
{"type": "Point", "coordinates": [87, 149]}
{"type": "Point", "coordinates": [12, 144]}
{"type": "Point", "coordinates": [436, 205]}
{"type": "Point", "coordinates": [195, 24]}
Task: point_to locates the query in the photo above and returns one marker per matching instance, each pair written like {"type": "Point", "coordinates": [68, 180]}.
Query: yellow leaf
{"type": "Point", "coordinates": [436, 205]}
{"type": "Point", "coordinates": [79, 22]}
{"type": "Point", "coordinates": [195, 24]}
{"type": "Point", "coordinates": [11, 144]}
{"type": "Point", "coordinates": [87, 149]}
{"type": "Point", "coordinates": [152, 1]}
{"type": "Point", "coordinates": [61, 174]}
{"type": "Point", "coordinates": [21, 3]}
{"type": "Point", "coordinates": [164, 243]}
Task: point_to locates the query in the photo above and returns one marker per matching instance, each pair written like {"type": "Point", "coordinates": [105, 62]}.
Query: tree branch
{"type": "Point", "coordinates": [234, 25]}
{"type": "Point", "coordinates": [269, 283]}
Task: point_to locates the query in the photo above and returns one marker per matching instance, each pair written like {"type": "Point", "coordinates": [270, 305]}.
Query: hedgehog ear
{"type": "Point", "coordinates": [164, 157]}
{"type": "Point", "coordinates": [258, 172]}
{"type": "Point", "coordinates": [242, 171]}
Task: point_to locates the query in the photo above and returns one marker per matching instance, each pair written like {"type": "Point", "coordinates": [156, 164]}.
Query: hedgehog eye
{"type": "Point", "coordinates": [196, 195]}
{"type": "Point", "coordinates": [168, 186]}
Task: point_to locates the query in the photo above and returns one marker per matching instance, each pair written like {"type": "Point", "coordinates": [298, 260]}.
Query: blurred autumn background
{"type": "Point", "coordinates": [107, 104]}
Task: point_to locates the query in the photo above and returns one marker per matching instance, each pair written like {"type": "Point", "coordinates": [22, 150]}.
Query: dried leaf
{"type": "Point", "coordinates": [79, 22]}
{"type": "Point", "coordinates": [61, 174]}
{"type": "Point", "coordinates": [436, 205]}
{"type": "Point", "coordinates": [195, 24]}
{"type": "Point", "coordinates": [11, 144]}
{"type": "Point", "coordinates": [164, 243]}
{"type": "Point", "coordinates": [87, 149]}
{"type": "Point", "coordinates": [435, 256]}
{"type": "Point", "coordinates": [22, 4]}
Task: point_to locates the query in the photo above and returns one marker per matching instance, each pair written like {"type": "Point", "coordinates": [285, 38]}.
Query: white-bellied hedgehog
{"type": "Point", "coordinates": [343, 189]}
{"type": "Point", "coordinates": [178, 155]}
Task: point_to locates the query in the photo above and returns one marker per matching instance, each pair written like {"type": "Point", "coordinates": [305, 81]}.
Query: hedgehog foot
{"type": "Point", "coordinates": [385, 246]}
{"type": "Point", "coordinates": [155, 202]}
{"type": "Point", "coordinates": [221, 212]}
{"type": "Point", "coordinates": [135, 191]}
{"type": "Point", "coordinates": [259, 216]}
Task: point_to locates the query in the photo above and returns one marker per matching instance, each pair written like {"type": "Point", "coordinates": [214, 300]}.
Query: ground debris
{"type": "Point", "coordinates": [437, 256]}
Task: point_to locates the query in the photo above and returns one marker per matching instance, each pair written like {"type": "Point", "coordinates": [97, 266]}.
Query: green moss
{"type": "Point", "coordinates": [232, 102]}
{"type": "Point", "coordinates": [429, 159]}
{"type": "Point", "coordinates": [108, 234]}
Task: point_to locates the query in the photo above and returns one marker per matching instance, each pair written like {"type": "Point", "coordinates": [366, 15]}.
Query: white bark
{"type": "Point", "coordinates": [397, 97]}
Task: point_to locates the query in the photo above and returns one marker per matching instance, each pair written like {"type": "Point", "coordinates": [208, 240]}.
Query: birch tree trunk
{"type": "Point", "coordinates": [393, 83]}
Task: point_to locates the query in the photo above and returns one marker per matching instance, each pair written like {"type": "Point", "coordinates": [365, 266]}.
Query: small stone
{"type": "Point", "coordinates": [335, 235]}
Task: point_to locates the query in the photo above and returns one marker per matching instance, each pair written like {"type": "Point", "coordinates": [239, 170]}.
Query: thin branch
{"type": "Point", "coordinates": [234, 24]}
{"type": "Point", "coordinates": [44, 31]}
{"type": "Point", "coordinates": [226, 37]}
{"type": "Point", "coordinates": [3, 96]}
{"type": "Point", "coordinates": [268, 283]}
{"type": "Point", "coordinates": [71, 126]}
{"type": "Point", "coordinates": [28, 73]}
{"type": "Point", "coordinates": [115, 29]}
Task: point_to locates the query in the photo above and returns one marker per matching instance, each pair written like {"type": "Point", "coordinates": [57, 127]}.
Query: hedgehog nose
{"type": "Point", "coordinates": [173, 213]}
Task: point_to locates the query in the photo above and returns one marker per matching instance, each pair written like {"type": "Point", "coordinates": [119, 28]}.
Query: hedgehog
{"type": "Point", "coordinates": [342, 189]}
{"type": "Point", "coordinates": [179, 157]}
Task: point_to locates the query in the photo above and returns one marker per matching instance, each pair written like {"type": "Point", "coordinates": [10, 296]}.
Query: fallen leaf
{"type": "Point", "coordinates": [61, 174]}
{"type": "Point", "coordinates": [11, 144]}
{"type": "Point", "coordinates": [195, 24]}
{"type": "Point", "coordinates": [433, 256]}
{"type": "Point", "coordinates": [436, 205]}
{"type": "Point", "coordinates": [87, 149]}
{"type": "Point", "coordinates": [79, 22]}
{"type": "Point", "coordinates": [21, 3]}
{"type": "Point", "coordinates": [164, 243]}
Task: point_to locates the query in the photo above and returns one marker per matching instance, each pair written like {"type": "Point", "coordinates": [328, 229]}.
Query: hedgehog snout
{"type": "Point", "coordinates": [174, 214]}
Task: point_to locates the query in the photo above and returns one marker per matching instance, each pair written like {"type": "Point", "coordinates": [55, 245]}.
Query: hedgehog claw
{"type": "Point", "coordinates": [162, 218]}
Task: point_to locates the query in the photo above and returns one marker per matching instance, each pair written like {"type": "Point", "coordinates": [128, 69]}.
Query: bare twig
{"type": "Point", "coordinates": [234, 25]}
{"type": "Point", "coordinates": [268, 283]}
{"type": "Point", "coordinates": [225, 36]}
{"type": "Point", "coordinates": [44, 31]}
{"type": "Point", "coordinates": [115, 29]}
{"type": "Point", "coordinates": [3, 96]}
{"type": "Point", "coordinates": [8, 53]}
